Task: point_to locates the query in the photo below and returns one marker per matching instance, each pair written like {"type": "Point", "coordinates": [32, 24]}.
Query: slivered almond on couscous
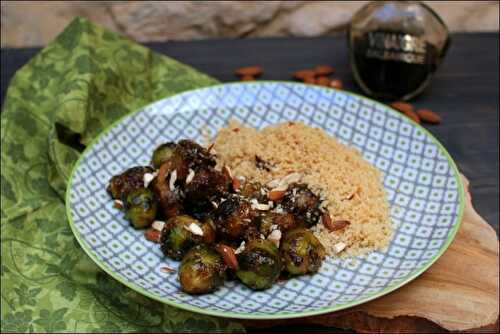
{"type": "Point", "coordinates": [349, 186]}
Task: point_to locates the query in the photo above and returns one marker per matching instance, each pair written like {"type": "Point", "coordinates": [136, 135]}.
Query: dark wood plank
{"type": "Point", "coordinates": [464, 90]}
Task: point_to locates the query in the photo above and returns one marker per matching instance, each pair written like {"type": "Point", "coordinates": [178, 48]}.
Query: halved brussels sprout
{"type": "Point", "coordinates": [259, 264]}
{"type": "Point", "coordinates": [284, 221]}
{"type": "Point", "coordinates": [233, 218]}
{"type": "Point", "coordinates": [133, 178]}
{"type": "Point", "coordinates": [303, 204]}
{"type": "Point", "coordinates": [163, 153]}
{"type": "Point", "coordinates": [183, 232]}
{"type": "Point", "coordinates": [202, 270]}
{"type": "Point", "coordinates": [140, 206]}
{"type": "Point", "coordinates": [301, 252]}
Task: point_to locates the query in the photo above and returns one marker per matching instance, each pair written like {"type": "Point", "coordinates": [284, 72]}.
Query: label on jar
{"type": "Point", "coordinates": [396, 46]}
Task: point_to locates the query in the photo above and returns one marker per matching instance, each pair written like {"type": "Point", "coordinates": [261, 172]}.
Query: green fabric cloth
{"type": "Point", "coordinates": [84, 80]}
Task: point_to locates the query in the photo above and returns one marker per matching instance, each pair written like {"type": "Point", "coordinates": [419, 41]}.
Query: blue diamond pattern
{"type": "Point", "coordinates": [421, 185]}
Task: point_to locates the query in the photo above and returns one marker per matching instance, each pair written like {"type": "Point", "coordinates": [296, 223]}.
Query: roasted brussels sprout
{"type": "Point", "coordinates": [140, 206]}
{"type": "Point", "coordinates": [163, 153]}
{"type": "Point", "coordinates": [283, 221]}
{"type": "Point", "coordinates": [120, 185]}
{"type": "Point", "coordinates": [233, 217]}
{"type": "Point", "coordinates": [300, 201]}
{"type": "Point", "coordinates": [202, 270]}
{"type": "Point", "coordinates": [259, 264]}
{"type": "Point", "coordinates": [195, 156]}
{"type": "Point", "coordinates": [181, 233]}
{"type": "Point", "coordinates": [170, 201]}
{"type": "Point", "coordinates": [205, 185]}
{"type": "Point", "coordinates": [301, 252]}
{"type": "Point", "coordinates": [253, 190]}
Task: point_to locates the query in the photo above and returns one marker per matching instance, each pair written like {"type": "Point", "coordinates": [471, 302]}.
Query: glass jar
{"type": "Point", "coordinates": [395, 47]}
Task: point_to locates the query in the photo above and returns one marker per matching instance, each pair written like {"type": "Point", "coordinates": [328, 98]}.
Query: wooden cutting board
{"type": "Point", "coordinates": [457, 293]}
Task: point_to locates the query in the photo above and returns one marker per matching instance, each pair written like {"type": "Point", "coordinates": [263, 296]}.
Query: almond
{"type": "Point", "coordinates": [304, 74]}
{"type": "Point", "coordinates": [152, 235]}
{"type": "Point", "coordinates": [167, 270]}
{"type": "Point", "coordinates": [412, 115]}
{"type": "Point", "coordinates": [228, 255]}
{"type": "Point", "coordinates": [321, 70]}
{"type": "Point", "coordinates": [333, 225]}
{"type": "Point", "coordinates": [235, 183]}
{"type": "Point", "coordinates": [276, 195]}
{"type": "Point", "coordinates": [310, 80]}
{"type": "Point", "coordinates": [323, 81]}
{"type": "Point", "coordinates": [253, 71]}
{"type": "Point", "coordinates": [402, 106]}
{"type": "Point", "coordinates": [336, 83]}
{"type": "Point", "coordinates": [247, 78]}
{"type": "Point", "coordinates": [428, 116]}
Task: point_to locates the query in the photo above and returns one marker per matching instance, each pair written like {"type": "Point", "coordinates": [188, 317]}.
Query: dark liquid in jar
{"type": "Point", "coordinates": [392, 65]}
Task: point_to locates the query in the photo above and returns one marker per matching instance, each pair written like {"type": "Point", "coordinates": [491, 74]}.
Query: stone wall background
{"type": "Point", "coordinates": [34, 23]}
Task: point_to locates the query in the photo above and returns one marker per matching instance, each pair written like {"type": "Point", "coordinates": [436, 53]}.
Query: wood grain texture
{"type": "Point", "coordinates": [459, 292]}
{"type": "Point", "coordinates": [464, 90]}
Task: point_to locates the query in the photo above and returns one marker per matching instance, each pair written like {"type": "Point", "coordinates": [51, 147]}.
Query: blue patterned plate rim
{"type": "Point", "coordinates": [275, 316]}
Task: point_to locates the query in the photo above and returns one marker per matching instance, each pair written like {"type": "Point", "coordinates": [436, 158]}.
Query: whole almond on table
{"type": "Point", "coordinates": [323, 81]}
{"type": "Point", "coordinates": [428, 116]}
{"type": "Point", "coordinates": [309, 80]}
{"type": "Point", "coordinates": [336, 83]}
{"type": "Point", "coordinates": [247, 78]}
{"type": "Point", "coordinates": [322, 70]}
{"type": "Point", "coordinates": [402, 106]}
{"type": "Point", "coordinates": [253, 71]}
{"type": "Point", "coordinates": [304, 74]}
{"type": "Point", "coordinates": [412, 115]}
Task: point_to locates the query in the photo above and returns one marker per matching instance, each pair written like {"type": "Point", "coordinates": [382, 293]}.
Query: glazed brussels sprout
{"type": "Point", "coordinates": [183, 232]}
{"type": "Point", "coordinates": [194, 155]}
{"type": "Point", "coordinates": [202, 270]}
{"type": "Point", "coordinates": [259, 264]}
{"type": "Point", "coordinates": [163, 153]}
{"type": "Point", "coordinates": [284, 221]}
{"type": "Point", "coordinates": [206, 185]}
{"type": "Point", "coordinates": [301, 252]}
{"type": "Point", "coordinates": [140, 206]}
{"type": "Point", "coordinates": [170, 201]}
{"type": "Point", "coordinates": [233, 217]}
{"type": "Point", "coordinates": [120, 185]}
{"type": "Point", "coordinates": [303, 204]}
{"type": "Point", "coordinates": [253, 190]}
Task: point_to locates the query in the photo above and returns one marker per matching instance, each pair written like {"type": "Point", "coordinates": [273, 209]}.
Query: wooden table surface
{"type": "Point", "coordinates": [465, 92]}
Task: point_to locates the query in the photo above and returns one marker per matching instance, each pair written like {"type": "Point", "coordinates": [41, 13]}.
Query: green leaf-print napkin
{"type": "Point", "coordinates": [74, 88]}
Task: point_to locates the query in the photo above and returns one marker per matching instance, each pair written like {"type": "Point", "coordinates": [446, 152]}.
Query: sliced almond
{"type": "Point", "coordinates": [148, 177]}
{"type": "Point", "coordinates": [339, 247]}
{"type": "Point", "coordinates": [118, 204]}
{"type": "Point", "coordinates": [173, 178]}
{"type": "Point", "coordinates": [332, 226]}
{"type": "Point", "coordinates": [290, 178]}
{"type": "Point", "coordinates": [240, 248]}
{"type": "Point", "coordinates": [275, 237]}
{"type": "Point", "coordinates": [190, 176]}
{"type": "Point", "coordinates": [158, 225]}
{"type": "Point", "coordinates": [152, 235]}
{"type": "Point", "coordinates": [167, 270]}
{"type": "Point", "coordinates": [235, 184]}
{"type": "Point", "coordinates": [195, 229]}
{"type": "Point", "coordinates": [228, 255]}
{"type": "Point", "coordinates": [276, 195]}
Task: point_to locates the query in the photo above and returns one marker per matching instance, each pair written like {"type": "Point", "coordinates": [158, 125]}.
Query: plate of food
{"type": "Point", "coordinates": [265, 200]}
